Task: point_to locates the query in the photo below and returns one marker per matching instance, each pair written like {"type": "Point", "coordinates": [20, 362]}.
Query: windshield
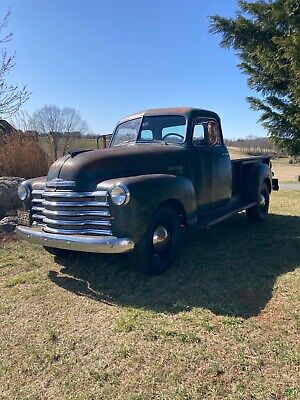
{"type": "Point", "coordinates": [162, 128]}
{"type": "Point", "coordinates": [126, 133]}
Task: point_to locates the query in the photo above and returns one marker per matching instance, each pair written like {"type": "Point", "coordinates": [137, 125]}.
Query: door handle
{"type": "Point", "coordinates": [225, 154]}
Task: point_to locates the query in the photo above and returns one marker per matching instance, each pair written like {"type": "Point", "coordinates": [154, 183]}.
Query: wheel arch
{"type": "Point", "coordinates": [268, 182]}
{"type": "Point", "coordinates": [259, 174]}
{"type": "Point", "coordinates": [177, 206]}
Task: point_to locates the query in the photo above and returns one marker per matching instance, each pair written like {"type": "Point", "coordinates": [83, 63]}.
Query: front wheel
{"type": "Point", "coordinates": [156, 251]}
{"type": "Point", "coordinates": [260, 211]}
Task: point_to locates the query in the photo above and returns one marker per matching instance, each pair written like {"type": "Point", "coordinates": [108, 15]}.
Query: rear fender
{"type": "Point", "coordinates": [259, 173]}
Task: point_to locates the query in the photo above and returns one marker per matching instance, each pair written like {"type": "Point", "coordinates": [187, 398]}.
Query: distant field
{"type": "Point", "coordinates": [284, 171]}
{"type": "Point", "coordinates": [85, 143]}
{"type": "Point", "coordinates": [236, 153]}
{"type": "Point", "coordinates": [223, 324]}
{"type": "Point", "coordinates": [79, 143]}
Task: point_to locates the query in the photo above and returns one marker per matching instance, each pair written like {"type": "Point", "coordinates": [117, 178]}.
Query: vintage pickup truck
{"type": "Point", "coordinates": [165, 170]}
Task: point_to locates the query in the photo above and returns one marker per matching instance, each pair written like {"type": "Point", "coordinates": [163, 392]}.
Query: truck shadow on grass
{"type": "Point", "coordinates": [230, 269]}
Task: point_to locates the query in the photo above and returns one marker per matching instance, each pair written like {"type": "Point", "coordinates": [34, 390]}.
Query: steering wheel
{"type": "Point", "coordinates": [173, 134]}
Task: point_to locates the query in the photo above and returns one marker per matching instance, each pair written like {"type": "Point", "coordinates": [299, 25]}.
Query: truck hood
{"type": "Point", "coordinates": [87, 169]}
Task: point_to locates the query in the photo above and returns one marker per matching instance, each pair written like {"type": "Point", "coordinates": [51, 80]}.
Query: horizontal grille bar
{"type": "Point", "coordinates": [37, 216]}
{"type": "Point", "coordinates": [81, 213]}
{"type": "Point", "coordinates": [36, 208]}
{"type": "Point", "coordinates": [82, 222]}
{"type": "Point", "coordinates": [73, 213]}
{"type": "Point", "coordinates": [78, 231]}
{"type": "Point", "coordinates": [75, 203]}
{"type": "Point", "coordinates": [37, 192]}
{"type": "Point", "coordinates": [75, 194]}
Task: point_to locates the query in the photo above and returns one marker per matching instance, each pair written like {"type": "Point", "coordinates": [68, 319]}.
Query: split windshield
{"type": "Point", "coordinates": [161, 128]}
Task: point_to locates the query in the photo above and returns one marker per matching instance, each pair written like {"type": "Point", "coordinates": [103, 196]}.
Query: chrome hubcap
{"type": "Point", "coordinates": [262, 200]}
{"type": "Point", "coordinates": [161, 238]}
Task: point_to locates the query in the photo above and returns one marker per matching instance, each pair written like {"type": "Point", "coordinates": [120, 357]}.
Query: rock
{"type": "Point", "coordinates": [8, 224]}
{"type": "Point", "coordinates": [9, 199]}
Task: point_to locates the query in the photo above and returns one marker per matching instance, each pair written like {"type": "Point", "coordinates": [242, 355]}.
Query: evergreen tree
{"type": "Point", "coordinates": [266, 36]}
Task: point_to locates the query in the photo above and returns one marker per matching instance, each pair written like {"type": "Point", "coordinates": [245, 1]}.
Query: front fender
{"type": "Point", "coordinates": [147, 193]}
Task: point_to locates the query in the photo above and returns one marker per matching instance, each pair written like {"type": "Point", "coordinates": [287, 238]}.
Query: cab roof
{"type": "Point", "coordinates": [185, 111]}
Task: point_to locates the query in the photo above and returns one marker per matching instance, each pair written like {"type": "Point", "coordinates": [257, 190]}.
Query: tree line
{"type": "Point", "coordinates": [254, 145]}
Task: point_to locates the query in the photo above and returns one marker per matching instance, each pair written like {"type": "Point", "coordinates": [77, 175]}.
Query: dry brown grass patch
{"type": "Point", "coordinates": [20, 156]}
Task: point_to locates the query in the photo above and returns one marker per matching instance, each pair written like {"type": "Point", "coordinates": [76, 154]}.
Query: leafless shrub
{"type": "Point", "coordinates": [21, 155]}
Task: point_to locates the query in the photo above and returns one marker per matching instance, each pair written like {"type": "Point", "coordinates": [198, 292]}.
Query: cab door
{"type": "Point", "coordinates": [211, 165]}
{"type": "Point", "coordinates": [221, 174]}
{"type": "Point", "coordinates": [201, 166]}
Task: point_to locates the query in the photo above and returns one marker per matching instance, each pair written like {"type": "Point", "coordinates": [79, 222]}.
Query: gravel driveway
{"type": "Point", "coordinates": [289, 186]}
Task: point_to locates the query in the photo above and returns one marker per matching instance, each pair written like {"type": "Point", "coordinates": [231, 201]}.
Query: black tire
{"type": "Point", "coordinates": [58, 252]}
{"type": "Point", "coordinates": [157, 250]}
{"type": "Point", "coordinates": [259, 212]}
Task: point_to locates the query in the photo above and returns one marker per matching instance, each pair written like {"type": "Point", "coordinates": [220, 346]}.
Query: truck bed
{"type": "Point", "coordinates": [241, 167]}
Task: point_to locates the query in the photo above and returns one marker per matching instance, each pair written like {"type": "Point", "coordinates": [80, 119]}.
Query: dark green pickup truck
{"type": "Point", "coordinates": [164, 171]}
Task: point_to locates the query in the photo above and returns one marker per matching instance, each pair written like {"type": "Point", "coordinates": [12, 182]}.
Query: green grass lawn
{"type": "Point", "coordinates": [224, 323]}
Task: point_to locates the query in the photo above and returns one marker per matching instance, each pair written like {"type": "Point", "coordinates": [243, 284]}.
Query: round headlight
{"type": "Point", "coordinates": [119, 195]}
{"type": "Point", "coordinates": [23, 192]}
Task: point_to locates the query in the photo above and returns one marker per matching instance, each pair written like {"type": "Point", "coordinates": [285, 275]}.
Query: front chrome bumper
{"type": "Point", "coordinates": [91, 244]}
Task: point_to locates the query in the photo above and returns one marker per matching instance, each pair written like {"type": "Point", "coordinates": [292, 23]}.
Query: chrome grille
{"type": "Point", "coordinates": [72, 213]}
{"type": "Point", "coordinates": [37, 207]}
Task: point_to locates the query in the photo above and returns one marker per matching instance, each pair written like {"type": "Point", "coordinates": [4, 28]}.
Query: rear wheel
{"type": "Point", "coordinates": [260, 211]}
{"type": "Point", "coordinates": [157, 250]}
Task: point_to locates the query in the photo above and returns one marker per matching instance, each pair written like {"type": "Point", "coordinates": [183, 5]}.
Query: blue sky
{"type": "Point", "coordinates": [112, 58]}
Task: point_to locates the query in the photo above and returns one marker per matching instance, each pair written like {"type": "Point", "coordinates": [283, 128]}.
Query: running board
{"type": "Point", "coordinates": [232, 208]}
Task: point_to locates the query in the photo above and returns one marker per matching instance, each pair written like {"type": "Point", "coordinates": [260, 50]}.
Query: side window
{"type": "Point", "coordinates": [213, 134]}
{"type": "Point", "coordinates": [199, 133]}
{"type": "Point", "coordinates": [206, 132]}
{"type": "Point", "coordinates": [146, 134]}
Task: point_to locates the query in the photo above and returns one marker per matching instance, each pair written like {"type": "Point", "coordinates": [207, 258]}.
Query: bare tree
{"type": "Point", "coordinates": [20, 121]}
{"type": "Point", "coordinates": [58, 126]}
{"type": "Point", "coordinates": [11, 96]}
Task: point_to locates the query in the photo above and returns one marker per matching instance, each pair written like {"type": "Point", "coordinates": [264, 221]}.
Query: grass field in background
{"type": "Point", "coordinates": [224, 323]}
{"type": "Point", "coordinates": [78, 143]}
{"type": "Point", "coordinates": [284, 171]}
